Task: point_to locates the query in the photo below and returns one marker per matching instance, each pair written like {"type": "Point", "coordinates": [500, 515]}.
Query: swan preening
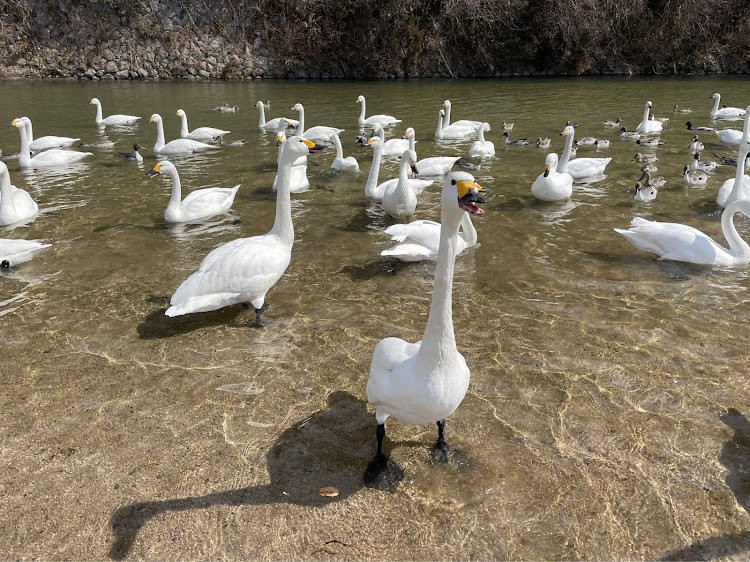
{"type": "Point", "coordinates": [199, 134]}
{"type": "Point", "coordinates": [16, 205]}
{"type": "Point", "coordinates": [51, 157]}
{"type": "Point", "coordinates": [272, 124]}
{"type": "Point", "coordinates": [724, 112]}
{"type": "Point", "coordinates": [243, 270]}
{"type": "Point", "coordinates": [117, 119]}
{"type": "Point", "coordinates": [384, 120]}
{"type": "Point", "coordinates": [198, 204]}
{"type": "Point", "coordinates": [424, 382]}
{"type": "Point", "coordinates": [679, 242]}
{"type": "Point", "coordinates": [552, 185]}
{"type": "Point", "coordinates": [177, 146]}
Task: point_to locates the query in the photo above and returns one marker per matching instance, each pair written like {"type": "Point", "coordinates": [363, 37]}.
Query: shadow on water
{"type": "Point", "coordinates": [157, 325]}
{"type": "Point", "coordinates": [370, 270]}
{"type": "Point", "coordinates": [735, 456]}
{"type": "Point", "coordinates": [330, 448]}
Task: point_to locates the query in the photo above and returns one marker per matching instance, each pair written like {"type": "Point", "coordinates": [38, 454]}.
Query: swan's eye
{"type": "Point", "coordinates": [453, 182]}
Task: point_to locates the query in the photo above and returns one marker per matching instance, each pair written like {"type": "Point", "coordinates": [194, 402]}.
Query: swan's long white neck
{"type": "Point", "coordinates": [480, 134]}
{"type": "Point", "coordinates": [645, 115]}
{"type": "Point", "coordinates": [738, 189]}
{"type": "Point", "coordinates": [413, 142]}
{"type": "Point", "coordinates": [184, 131]}
{"type": "Point", "coordinates": [282, 225]}
{"type": "Point", "coordinates": [403, 190]}
{"type": "Point", "coordinates": [717, 99]}
{"type": "Point", "coordinates": [372, 177]}
{"type": "Point", "coordinates": [6, 197]}
{"type": "Point", "coordinates": [468, 232]}
{"type": "Point", "coordinates": [439, 341]}
{"type": "Point", "coordinates": [262, 118]}
{"type": "Point", "coordinates": [176, 198]}
{"type": "Point", "coordinates": [159, 135]}
{"type": "Point", "coordinates": [361, 119]}
{"type": "Point", "coordinates": [337, 144]}
{"type": "Point", "coordinates": [301, 126]}
{"type": "Point", "coordinates": [562, 163]}
{"type": "Point", "coordinates": [441, 121]}
{"type": "Point", "coordinates": [738, 248]}
{"type": "Point", "coordinates": [98, 117]}
{"type": "Point", "coordinates": [24, 156]}
{"type": "Point", "coordinates": [29, 131]}
{"type": "Point", "coordinates": [447, 118]}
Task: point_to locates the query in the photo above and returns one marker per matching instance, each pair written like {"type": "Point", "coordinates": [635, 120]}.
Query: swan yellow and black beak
{"type": "Point", "coordinates": [468, 196]}
{"type": "Point", "coordinates": [279, 140]}
{"type": "Point", "coordinates": [313, 148]}
{"type": "Point", "coordinates": [414, 168]}
{"type": "Point", "coordinates": [154, 172]}
{"type": "Point", "coordinates": [547, 169]}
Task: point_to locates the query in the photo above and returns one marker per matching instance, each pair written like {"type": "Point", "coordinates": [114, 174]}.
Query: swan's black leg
{"type": "Point", "coordinates": [258, 312]}
{"type": "Point", "coordinates": [440, 450]}
{"type": "Point", "coordinates": [380, 433]}
{"type": "Point", "coordinates": [441, 433]}
{"type": "Point", "coordinates": [5, 264]}
{"type": "Point", "coordinates": [382, 473]}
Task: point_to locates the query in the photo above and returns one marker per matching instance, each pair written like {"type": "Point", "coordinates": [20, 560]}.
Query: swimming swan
{"type": "Point", "coordinates": [199, 134]}
{"type": "Point", "coordinates": [482, 148]}
{"type": "Point", "coordinates": [400, 198]}
{"type": "Point", "coordinates": [424, 382]}
{"type": "Point", "coordinates": [552, 185]}
{"type": "Point", "coordinates": [177, 146]}
{"type": "Point", "coordinates": [15, 251]}
{"type": "Point", "coordinates": [580, 168]}
{"type": "Point", "coordinates": [392, 147]}
{"type": "Point", "coordinates": [348, 164]}
{"type": "Point", "coordinates": [449, 131]}
{"type": "Point", "coordinates": [46, 142]}
{"type": "Point", "coordinates": [648, 125]}
{"type": "Point", "coordinates": [198, 204]}
{"type": "Point", "coordinates": [462, 123]}
{"type": "Point", "coordinates": [16, 205]}
{"type": "Point", "coordinates": [419, 240]}
{"type": "Point", "coordinates": [739, 186]}
{"type": "Point", "coordinates": [319, 132]}
{"type": "Point", "coordinates": [384, 120]}
{"type": "Point", "coordinates": [672, 241]}
{"type": "Point", "coordinates": [724, 112]}
{"type": "Point", "coordinates": [243, 270]}
{"type": "Point", "coordinates": [117, 119]}
{"type": "Point", "coordinates": [273, 124]}
{"type": "Point", "coordinates": [51, 157]}
{"type": "Point", "coordinates": [432, 165]}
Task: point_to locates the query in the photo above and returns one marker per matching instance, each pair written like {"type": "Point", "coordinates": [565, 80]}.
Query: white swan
{"type": "Point", "coordinates": [579, 168]}
{"type": "Point", "coordinates": [15, 251]}
{"type": "Point", "coordinates": [198, 204]}
{"type": "Point", "coordinates": [51, 157]}
{"type": "Point", "coordinates": [199, 134]}
{"type": "Point", "coordinates": [672, 241]}
{"type": "Point", "coordinates": [117, 119]}
{"type": "Point", "coordinates": [450, 131]}
{"type": "Point", "coordinates": [724, 112]}
{"type": "Point", "coordinates": [432, 165]}
{"type": "Point", "coordinates": [348, 164]}
{"type": "Point", "coordinates": [319, 132]}
{"type": "Point", "coordinates": [372, 189]}
{"type": "Point", "coordinates": [298, 181]}
{"type": "Point", "coordinates": [16, 205]}
{"type": "Point", "coordinates": [552, 185]}
{"type": "Point", "coordinates": [384, 120]}
{"type": "Point", "coordinates": [419, 240]}
{"type": "Point", "coordinates": [177, 146]}
{"type": "Point", "coordinates": [272, 124]}
{"type": "Point", "coordinates": [648, 125]}
{"type": "Point", "coordinates": [424, 382]}
{"type": "Point", "coordinates": [729, 136]}
{"type": "Point", "coordinates": [739, 186]}
{"type": "Point", "coordinates": [400, 198]}
{"type": "Point", "coordinates": [392, 147]}
{"type": "Point", "coordinates": [46, 142]}
{"type": "Point", "coordinates": [482, 148]}
{"type": "Point", "coordinates": [461, 123]}
{"type": "Point", "coordinates": [243, 270]}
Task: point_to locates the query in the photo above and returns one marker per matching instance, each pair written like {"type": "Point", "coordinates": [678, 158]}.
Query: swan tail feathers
{"type": "Point", "coordinates": [202, 303]}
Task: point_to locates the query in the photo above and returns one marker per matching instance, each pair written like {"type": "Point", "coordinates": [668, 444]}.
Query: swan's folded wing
{"type": "Point", "coordinates": [419, 185]}
{"type": "Point", "coordinates": [204, 200]}
{"type": "Point", "coordinates": [388, 353]}
{"type": "Point", "coordinates": [409, 252]}
{"type": "Point", "coordinates": [415, 230]}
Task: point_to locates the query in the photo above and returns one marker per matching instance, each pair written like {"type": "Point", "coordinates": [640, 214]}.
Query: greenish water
{"type": "Point", "coordinates": [599, 374]}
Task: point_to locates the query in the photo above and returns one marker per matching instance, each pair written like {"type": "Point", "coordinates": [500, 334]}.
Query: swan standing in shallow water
{"type": "Point", "coordinates": [648, 125]}
{"type": "Point", "coordinates": [400, 197]}
{"type": "Point", "coordinates": [482, 148]}
{"type": "Point", "coordinates": [46, 142]}
{"type": "Point", "coordinates": [199, 134]}
{"type": "Point", "coordinates": [580, 168]}
{"type": "Point", "coordinates": [552, 185]}
{"type": "Point", "coordinates": [672, 241]}
{"type": "Point", "coordinates": [724, 112]}
{"type": "Point", "coordinates": [177, 146]}
{"type": "Point", "coordinates": [384, 120]}
{"type": "Point", "coordinates": [319, 132]}
{"type": "Point", "coordinates": [199, 204]}
{"type": "Point", "coordinates": [117, 119]}
{"type": "Point", "coordinates": [51, 157]}
{"type": "Point", "coordinates": [14, 251]}
{"type": "Point", "coordinates": [348, 164]}
{"type": "Point", "coordinates": [738, 187]}
{"type": "Point", "coordinates": [424, 382]}
{"type": "Point", "coordinates": [16, 205]}
{"type": "Point", "coordinates": [244, 270]}
{"type": "Point", "coordinates": [420, 240]}
{"type": "Point", "coordinates": [273, 124]}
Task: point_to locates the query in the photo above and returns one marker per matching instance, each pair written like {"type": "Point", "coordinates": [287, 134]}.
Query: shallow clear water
{"type": "Point", "coordinates": [596, 422]}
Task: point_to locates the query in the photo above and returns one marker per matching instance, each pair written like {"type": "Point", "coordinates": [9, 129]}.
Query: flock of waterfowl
{"type": "Point", "coordinates": [422, 382]}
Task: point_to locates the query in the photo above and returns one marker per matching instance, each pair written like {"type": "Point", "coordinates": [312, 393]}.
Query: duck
{"type": "Point", "coordinates": [508, 126]}
{"type": "Point", "coordinates": [580, 168]}
{"type": "Point", "coordinates": [101, 143]}
{"type": "Point", "coordinates": [134, 156]}
{"type": "Point", "coordinates": [424, 382]}
{"type": "Point", "coordinates": [451, 131]}
{"type": "Point", "coordinates": [14, 251]}
{"type": "Point", "coordinates": [679, 242]}
{"type": "Point", "coordinates": [238, 142]}
{"type": "Point", "coordinates": [601, 143]}
{"type": "Point", "coordinates": [199, 134]}
{"type": "Point", "coordinates": [724, 112]}
{"type": "Point", "coordinates": [643, 193]}
{"type": "Point", "coordinates": [482, 148]}
{"type": "Point", "coordinates": [392, 147]}
{"type": "Point", "coordinates": [552, 185]}
{"type": "Point", "coordinates": [586, 141]}
{"type": "Point", "coordinates": [729, 161]}
{"type": "Point", "coordinates": [648, 181]}
{"type": "Point", "coordinates": [624, 133]}
{"type": "Point", "coordinates": [694, 177]}
{"type": "Point", "coordinates": [677, 109]}
{"type": "Point", "coordinates": [419, 240]}
{"type": "Point", "coordinates": [272, 124]}
{"type": "Point", "coordinates": [649, 142]}
{"type": "Point", "coordinates": [384, 120]}
{"type": "Point", "coordinates": [245, 269]}
{"type": "Point", "coordinates": [729, 136]}
{"type": "Point", "coordinates": [517, 142]}
{"type": "Point", "coordinates": [645, 158]}
{"type": "Point", "coordinates": [738, 187]}
{"type": "Point", "coordinates": [543, 142]}
{"type": "Point", "coordinates": [400, 197]}
{"type": "Point", "coordinates": [226, 108]}
{"type": "Point", "coordinates": [648, 125]}
{"type": "Point", "coordinates": [461, 123]}
{"type": "Point", "coordinates": [46, 142]}
{"type": "Point", "coordinates": [649, 167]}
{"type": "Point", "coordinates": [198, 204]}
{"type": "Point", "coordinates": [16, 205]}
{"type": "Point", "coordinates": [348, 164]}
{"type": "Point", "coordinates": [612, 123]}
{"type": "Point", "coordinates": [51, 157]}
{"type": "Point", "coordinates": [433, 165]}
{"type": "Point", "coordinates": [177, 146]}
{"type": "Point", "coordinates": [708, 167]}
{"type": "Point", "coordinates": [696, 145]}
{"type": "Point", "coordinates": [319, 132]}
{"type": "Point", "coordinates": [468, 165]}
{"type": "Point", "coordinates": [116, 119]}
{"type": "Point", "coordinates": [298, 180]}
{"type": "Point", "coordinates": [690, 127]}
{"type": "Point", "coordinates": [662, 120]}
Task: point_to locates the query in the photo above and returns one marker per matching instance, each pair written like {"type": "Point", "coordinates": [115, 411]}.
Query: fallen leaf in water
{"type": "Point", "coordinates": [328, 491]}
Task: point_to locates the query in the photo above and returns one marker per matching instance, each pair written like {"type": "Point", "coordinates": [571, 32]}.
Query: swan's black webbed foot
{"type": "Point", "coordinates": [258, 312]}
{"type": "Point", "coordinates": [383, 474]}
{"type": "Point", "coordinates": [5, 264]}
{"type": "Point", "coordinates": [442, 453]}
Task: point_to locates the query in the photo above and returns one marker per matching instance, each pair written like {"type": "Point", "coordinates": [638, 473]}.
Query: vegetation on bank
{"type": "Point", "coordinates": [365, 38]}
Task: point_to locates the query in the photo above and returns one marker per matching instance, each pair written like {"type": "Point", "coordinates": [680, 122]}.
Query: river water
{"type": "Point", "coordinates": [606, 417]}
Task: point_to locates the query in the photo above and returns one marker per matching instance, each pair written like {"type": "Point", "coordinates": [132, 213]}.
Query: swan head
{"type": "Point", "coordinates": [447, 103]}
{"type": "Point", "coordinates": [375, 142]}
{"type": "Point", "coordinates": [155, 118]}
{"type": "Point", "coordinates": [163, 166]}
{"type": "Point", "coordinates": [408, 133]}
{"type": "Point", "coordinates": [95, 101]}
{"type": "Point", "coordinates": [462, 186]}
{"type": "Point", "coordinates": [180, 113]}
{"type": "Point", "coordinates": [360, 99]}
{"type": "Point", "coordinates": [18, 122]}
{"type": "Point", "coordinates": [411, 157]}
{"type": "Point", "coordinates": [294, 147]}
{"type": "Point", "coordinates": [569, 130]}
{"type": "Point", "coordinates": [716, 96]}
{"type": "Point", "coordinates": [550, 163]}
{"type": "Point", "coordinates": [649, 104]}
{"type": "Point", "coordinates": [259, 104]}
{"type": "Point", "coordinates": [297, 107]}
